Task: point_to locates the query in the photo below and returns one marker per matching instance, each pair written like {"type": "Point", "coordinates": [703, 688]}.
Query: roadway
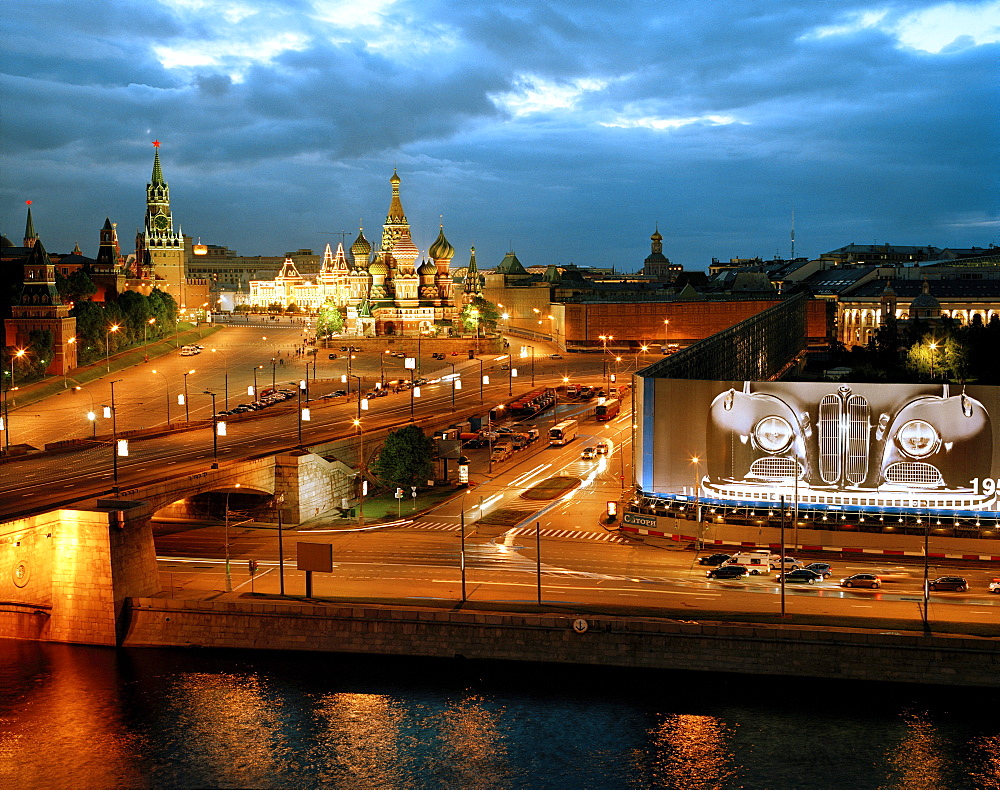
{"type": "Point", "coordinates": [44, 480]}
{"type": "Point", "coordinates": [583, 564]}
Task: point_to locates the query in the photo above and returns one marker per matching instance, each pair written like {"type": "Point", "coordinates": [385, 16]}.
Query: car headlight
{"type": "Point", "coordinates": [918, 438]}
{"type": "Point", "coordinates": [773, 434]}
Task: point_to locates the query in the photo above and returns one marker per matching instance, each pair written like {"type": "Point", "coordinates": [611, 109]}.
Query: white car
{"type": "Point", "coordinates": [995, 586]}
{"type": "Point", "coordinates": [791, 564]}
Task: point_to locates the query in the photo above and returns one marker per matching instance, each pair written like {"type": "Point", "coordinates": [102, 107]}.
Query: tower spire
{"type": "Point", "coordinates": [30, 237]}
{"type": "Point", "coordinates": [157, 178]}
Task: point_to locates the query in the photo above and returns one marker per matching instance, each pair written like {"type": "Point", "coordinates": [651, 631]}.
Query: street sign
{"type": "Point", "coordinates": [399, 493]}
{"type": "Point", "coordinates": [314, 557]}
{"type": "Point", "coordinates": [413, 491]}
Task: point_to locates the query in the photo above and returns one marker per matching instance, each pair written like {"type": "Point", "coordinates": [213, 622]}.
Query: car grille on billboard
{"type": "Point", "coordinates": [844, 436]}
{"type": "Point", "coordinates": [774, 468]}
{"type": "Point", "coordinates": [913, 472]}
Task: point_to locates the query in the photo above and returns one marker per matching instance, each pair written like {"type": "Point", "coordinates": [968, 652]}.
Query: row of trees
{"type": "Point", "coordinates": [139, 318]}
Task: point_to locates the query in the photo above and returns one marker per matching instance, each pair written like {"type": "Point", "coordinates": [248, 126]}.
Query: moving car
{"type": "Point", "coordinates": [555, 356]}
{"type": "Point", "coordinates": [713, 559]}
{"type": "Point", "coordinates": [824, 569]}
{"type": "Point", "coordinates": [588, 453]}
{"type": "Point", "coordinates": [791, 563]}
{"type": "Point", "coordinates": [862, 580]}
{"type": "Point", "coordinates": [955, 583]}
{"type": "Point", "coordinates": [727, 572]}
{"type": "Point", "coordinates": [602, 448]}
{"type": "Point", "coordinates": [995, 586]}
{"type": "Point", "coordinates": [800, 575]}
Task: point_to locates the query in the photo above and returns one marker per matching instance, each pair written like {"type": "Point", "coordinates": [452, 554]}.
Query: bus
{"type": "Point", "coordinates": [562, 433]}
{"type": "Point", "coordinates": [609, 409]}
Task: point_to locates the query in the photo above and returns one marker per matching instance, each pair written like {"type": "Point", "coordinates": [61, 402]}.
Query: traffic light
{"type": "Point", "coordinates": [253, 566]}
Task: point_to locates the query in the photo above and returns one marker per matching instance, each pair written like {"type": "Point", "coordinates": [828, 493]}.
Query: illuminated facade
{"type": "Point", "coordinates": [382, 293]}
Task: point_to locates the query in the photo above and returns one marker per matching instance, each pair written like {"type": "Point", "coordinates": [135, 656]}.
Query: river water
{"type": "Point", "coordinates": [83, 717]}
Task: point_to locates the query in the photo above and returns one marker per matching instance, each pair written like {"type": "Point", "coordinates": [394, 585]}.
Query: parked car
{"type": "Point", "coordinates": [822, 568]}
{"type": "Point", "coordinates": [800, 575]}
{"type": "Point", "coordinates": [862, 580]}
{"type": "Point", "coordinates": [954, 583]}
{"type": "Point", "coordinates": [727, 572]}
{"type": "Point", "coordinates": [713, 559]}
{"type": "Point", "coordinates": [589, 453]}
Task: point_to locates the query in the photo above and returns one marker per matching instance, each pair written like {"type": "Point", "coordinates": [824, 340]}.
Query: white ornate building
{"type": "Point", "coordinates": [385, 293]}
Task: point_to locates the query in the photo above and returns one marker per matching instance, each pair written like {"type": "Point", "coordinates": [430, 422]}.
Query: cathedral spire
{"type": "Point", "coordinates": [395, 220]}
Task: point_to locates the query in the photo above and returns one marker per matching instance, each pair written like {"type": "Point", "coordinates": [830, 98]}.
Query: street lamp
{"type": "Point", "coordinates": [666, 333]}
{"type": "Point", "coordinates": [697, 495]}
{"type": "Point", "coordinates": [256, 397]}
{"type": "Point", "coordinates": [91, 415]}
{"type": "Point", "coordinates": [933, 348]}
{"type": "Point", "coordinates": [346, 379]}
{"type": "Point", "coordinates": [107, 344]}
{"type": "Point", "coordinates": [145, 337]}
{"type": "Point", "coordinates": [510, 376]}
{"type": "Point", "coordinates": [361, 471]}
{"type": "Point", "coordinates": [454, 378]}
{"type": "Point", "coordinates": [482, 380]}
{"type": "Point", "coordinates": [304, 413]}
{"type": "Point", "coordinates": [225, 359]}
{"type": "Point", "coordinates": [604, 357]}
{"type": "Point", "coordinates": [217, 429]}
{"type": "Point", "coordinates": [166, 387]}
{"type": "Point", "coordinates": [274, 368]}
{"type": "Point", "coordinates": [114, 437]}
{"type": "Point", "coordinates": [187, 411]}
{"type": "Point", "coordinates": [381, 366]}
{"type": "Point", "coordinates": [524, 353]}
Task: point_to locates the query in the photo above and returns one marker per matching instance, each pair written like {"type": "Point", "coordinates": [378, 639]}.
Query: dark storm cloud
{"type": "Point", "coordinates": [566, 128]}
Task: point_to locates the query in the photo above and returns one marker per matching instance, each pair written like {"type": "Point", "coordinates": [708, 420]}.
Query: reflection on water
{"type": "Point", "coordinates": [691, 753]}
{"type": "Point", "coordinates": [80, 717]}
{"type": "Point", "coordinates": [358, 743]}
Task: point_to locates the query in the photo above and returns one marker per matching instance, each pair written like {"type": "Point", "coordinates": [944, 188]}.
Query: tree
{"type": "Point", "coordinates": [406, 458]}
{"type": "Point", "coordinates": [479, 312]}
{"type": "Point", "coordinates": [75, 288]}
{"type": "Point", "coordinates": [329, 320]}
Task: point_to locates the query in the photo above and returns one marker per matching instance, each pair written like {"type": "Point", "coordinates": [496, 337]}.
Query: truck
{"type": "Point", "coordinates": [502, 450]}
{"type": "Point", "coordinates": [756, 562]}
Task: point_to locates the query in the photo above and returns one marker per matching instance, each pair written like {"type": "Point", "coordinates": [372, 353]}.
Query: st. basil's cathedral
{"type": "Point", "coordinates": [385, 292]}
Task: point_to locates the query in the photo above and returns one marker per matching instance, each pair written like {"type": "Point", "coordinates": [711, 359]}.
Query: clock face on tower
{"type": "Point", "coordinates": [160, 223]}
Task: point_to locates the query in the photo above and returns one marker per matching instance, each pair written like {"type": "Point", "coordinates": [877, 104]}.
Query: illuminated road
{"type": "Point", "coordinates": [47, 480]}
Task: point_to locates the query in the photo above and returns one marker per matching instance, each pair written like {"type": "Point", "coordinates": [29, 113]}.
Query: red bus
{"type": "Point", "coordinates": [609, 409]}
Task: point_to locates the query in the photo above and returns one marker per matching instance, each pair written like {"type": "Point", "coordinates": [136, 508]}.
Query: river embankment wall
{"type": "Point", "coordinates": [610, 641]}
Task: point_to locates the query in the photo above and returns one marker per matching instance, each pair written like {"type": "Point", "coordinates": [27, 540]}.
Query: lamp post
{"type": "Point", "coordinates": [114, 436]}
{"type": "Point", "coordinates": [482, 380]}
{"type": "Point", "coordinates": [303, 413]}
{"type": "Point", "coordinates": [697, 495]}
{"type": "Point", "coordinates": [361, 471]}
{"type": "Point", "coordinates": [453, 377]}
{"type": "Point", "coordinates": [933, 348]}
{"type": "Point", "coordinates": [666, 333]}
{"type": "Point", "coordinates": [91, 415]}
{"type": "Point", "coordinates": [604, 357]}
{"type": "Point", "coordinates": [187, 410]}
{"type": "Point", "coordinates": [256, 396]}
{"type": "Point", "coordinates": [346, 378]}
{"type": "Point", "coordinates": [215, 432]}
{"type": "Point", "coordinates": [229, 576]}
{"type": "Point", "coordinates": [927, 594]}
{"type": "Point", "coordinates": [381, 367]}
{"type": "Point", "coordinates": [274, 368]}
{"type": "Point", "coordinates": [71, 341]}
{"type": "Point", "coordinates": [510, 375]}
{"type": "Point", "coordinates": [225, 359]}
{"type": "Point", "coordinates": [145, 337]}
{"type": "Point", "coordinates": [107, 345]}
{"type": "Point", "coordinates": [279, 500]}
{"type": "Point", "coordinates": [166, 387]}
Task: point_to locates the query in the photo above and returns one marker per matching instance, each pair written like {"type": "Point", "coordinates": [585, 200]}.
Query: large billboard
{"type": "Point", "coordinates": [844, 446]}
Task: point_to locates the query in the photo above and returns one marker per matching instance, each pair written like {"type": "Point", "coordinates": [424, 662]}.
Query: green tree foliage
{"type": "Point", "coordinates": [329, 320]}
{"type": "Point", "coordinates": [406, 458]}
{"type": "Point", "coordinates": [479, 313]}
{"type": "Point", "coordinates": [75, 288]}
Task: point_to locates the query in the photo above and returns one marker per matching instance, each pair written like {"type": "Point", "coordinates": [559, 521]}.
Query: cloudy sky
{"type": "Point", "coordinates": [566, 129]}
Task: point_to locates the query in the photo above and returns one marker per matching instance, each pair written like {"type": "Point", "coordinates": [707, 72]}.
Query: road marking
{"type": "Point", "coordinates": [861, 606]}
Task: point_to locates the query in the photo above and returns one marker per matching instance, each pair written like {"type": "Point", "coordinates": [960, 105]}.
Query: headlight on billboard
{"type": "Point", "coordinates": [773, 434]}
{"type": "Point", "coordinates": [918, 439]}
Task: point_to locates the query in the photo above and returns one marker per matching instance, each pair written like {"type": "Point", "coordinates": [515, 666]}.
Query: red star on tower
{"type": "Point", "coordinates": [156, 143]}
